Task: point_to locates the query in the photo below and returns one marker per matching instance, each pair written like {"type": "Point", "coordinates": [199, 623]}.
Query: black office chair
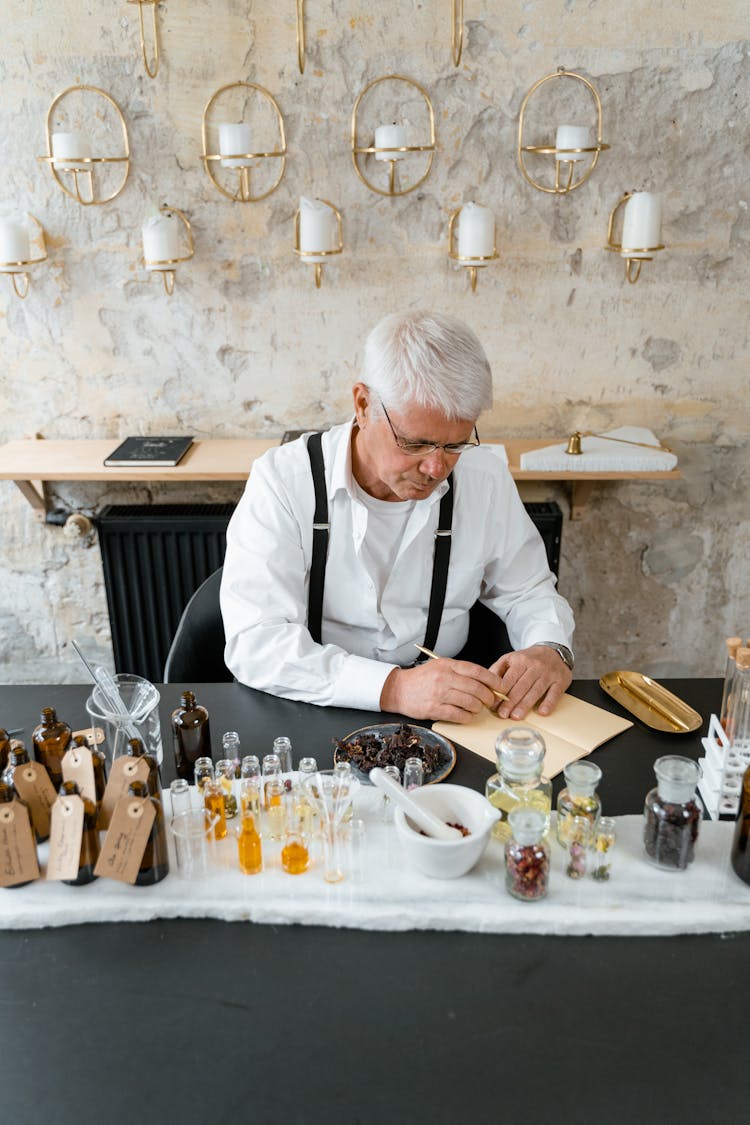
{"type": "Point", "coordinates": [196, 654]}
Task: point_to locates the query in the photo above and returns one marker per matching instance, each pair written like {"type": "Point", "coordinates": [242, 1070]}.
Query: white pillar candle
{"type": "Point", "coordinates": [641, 224]}
{"type": "Point", "coordinates": [572, 136]}
{"type": "Point", "coordinates": [161, 239]}
{"type": "Point", "coordinates": [318, 229]}
{"type": "Point", "coordinates": [66, 147]}
{"type": "Point", "coordinates": [389, 138]}
{"type": "Point", "coordinates": [14, 245]}
{"type": "Point", "coordinates": [235, 139]}
{"type": "Point", "coordinates": [476, 231]}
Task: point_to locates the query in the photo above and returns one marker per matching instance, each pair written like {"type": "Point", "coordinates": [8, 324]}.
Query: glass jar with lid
{"type": "Point", "coordinates": [526, 854]}
{"type": "Point", "coordinates": [578, 798]}
{"type": "Point", "coordinates": [518, 781]}
{"type": "Point", "coordinates": [672, 813]}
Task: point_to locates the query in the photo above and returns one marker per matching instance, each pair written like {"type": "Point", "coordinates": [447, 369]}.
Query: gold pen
{"type": "Point", "coordinates": [434, 656]}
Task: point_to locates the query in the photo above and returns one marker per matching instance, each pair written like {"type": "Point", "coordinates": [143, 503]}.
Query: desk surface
{"type": "Point", "coordinates": [196, 1021]}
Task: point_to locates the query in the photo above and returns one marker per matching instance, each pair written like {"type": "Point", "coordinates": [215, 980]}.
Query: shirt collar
{"type": "Point", "coordinates": [343, 479]}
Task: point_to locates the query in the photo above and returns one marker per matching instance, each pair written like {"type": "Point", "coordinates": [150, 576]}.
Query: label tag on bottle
{"type": "Point", "coordinates": [125, 770]}
{"type": "Point", "coordinates": [18, 860]}
{"type": "Point", "coordinates": [78, 766]}
{"type": "Point", "coordinates": [93, 735]}
{"type": "Point", "coordinates": [66, 832]}
{"type": "Point", "coordinates": [32, 783]}
{"type": "Point", "coordinates": [126, 840]}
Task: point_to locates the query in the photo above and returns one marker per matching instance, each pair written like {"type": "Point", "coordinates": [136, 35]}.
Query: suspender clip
{"type": "Point", "coordinates": [321, 527]}
{"type": "Point", "coordinates": [441, 532]}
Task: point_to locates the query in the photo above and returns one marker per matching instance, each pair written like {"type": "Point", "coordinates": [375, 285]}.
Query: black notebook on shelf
{"type": "Point", "coordinates": [144, 451]}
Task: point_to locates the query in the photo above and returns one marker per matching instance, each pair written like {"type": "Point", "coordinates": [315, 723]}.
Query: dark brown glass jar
{"type": "Point", "coordinates": [191, 735]}
{"type": "Point", "coordinates": [99, 762]}
{"type": "Point", "coordinates": [50, 741]}
{"type": "Point", "coordinates": [4, 749]}
{"type": "Point", "coordinates": [741, 843]}
{"type": "Point", "coordinates": [136, 749]}
{"type": "Point", "coordinates": [8, 794]}
{"type": "Point", "coordinates": [155, 863]}
{"type": "Point", "coordinates": [89, 838]}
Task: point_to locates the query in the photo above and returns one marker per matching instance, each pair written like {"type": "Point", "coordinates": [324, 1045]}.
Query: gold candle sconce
{"type": "Point", "coordinates": [576, 153]}
{"type": "Point", "coordinates": [472, 262]}
{"type": "Point", "coordinates": [152, 67]}
{"type": "Point", "coordinates": [242, 159]}
{"type": "Point", "coordinates": [457, 30]}
{"type": "Point", "coordinates": [642, 226]}
{"type": "Point", "coordinates": [318, 257]}
{"type": "Point", "coordinates": [391, 152]}
{"type": "Point", "coordinates": [165, 243]}
{"type": "Point", "coordinates": [15, 250]}
{"type": "Point", "coordinates": [69, 153]}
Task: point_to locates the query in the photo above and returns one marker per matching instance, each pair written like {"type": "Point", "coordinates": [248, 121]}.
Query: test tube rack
{"type": "Point", "coordinates": [722, 769]}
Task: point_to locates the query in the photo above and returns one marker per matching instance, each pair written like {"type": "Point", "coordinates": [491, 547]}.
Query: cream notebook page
{"type": "Point", "coordinates": [572, 731]}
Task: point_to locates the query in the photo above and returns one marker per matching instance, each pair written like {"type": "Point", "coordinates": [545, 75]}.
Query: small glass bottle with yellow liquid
{"type": "Point", "coordinates": [213, 800]}
{"type": "Point", "coordinates": [249, 845]}
{"type": "Point", "coordinates": [518, 781]}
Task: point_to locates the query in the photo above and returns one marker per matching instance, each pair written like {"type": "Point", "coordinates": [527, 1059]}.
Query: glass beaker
{"type": "Point", "coordinates": [191, 832]}
{"type": "Point", "coordinates": [142, 701]}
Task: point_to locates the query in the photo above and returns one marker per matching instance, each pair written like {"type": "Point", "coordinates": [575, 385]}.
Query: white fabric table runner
{"type": "Point", "coordinates": [638, 900]}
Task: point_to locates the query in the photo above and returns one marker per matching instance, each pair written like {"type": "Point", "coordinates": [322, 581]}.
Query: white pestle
{"type": "Point", "coordinates": [427, 821]}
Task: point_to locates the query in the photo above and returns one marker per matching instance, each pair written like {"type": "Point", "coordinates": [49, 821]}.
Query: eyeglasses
{"type": "Point", "coordinates": [424, 448]}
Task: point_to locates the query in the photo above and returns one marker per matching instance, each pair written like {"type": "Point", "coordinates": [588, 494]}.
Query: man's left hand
{"type": "Point", "coordinates": [536, 675]}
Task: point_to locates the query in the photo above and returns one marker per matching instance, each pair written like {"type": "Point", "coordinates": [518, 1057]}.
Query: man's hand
{"type": "Point", "coordinates": [536, 675]}
{"type": "Point", "coordinates": [441, 689]}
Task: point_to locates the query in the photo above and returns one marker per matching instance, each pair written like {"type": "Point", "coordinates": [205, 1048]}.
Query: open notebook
{"type": "Point", "coordinates": [572, 731]}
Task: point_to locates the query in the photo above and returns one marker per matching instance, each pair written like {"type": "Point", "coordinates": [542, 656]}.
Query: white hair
{"type": "Point", "coordinates": [427, 359]}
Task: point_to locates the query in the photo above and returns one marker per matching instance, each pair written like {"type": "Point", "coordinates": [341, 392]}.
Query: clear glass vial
{"type": "Point", "coordinates": [518, 781]}
{"type": "Point", "coordinates": [578, 798]}
{"type": "Point", "coordinates": [672, 813]}
{"type": "Point", "coordinates": [526, 855]}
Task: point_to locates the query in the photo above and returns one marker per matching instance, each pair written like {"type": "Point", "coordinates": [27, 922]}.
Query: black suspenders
{"type": "Point", "coordinates": [321, 528]}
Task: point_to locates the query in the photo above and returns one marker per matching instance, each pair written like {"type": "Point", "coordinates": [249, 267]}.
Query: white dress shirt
{"type": "Point", "coordinates": [497, 555]}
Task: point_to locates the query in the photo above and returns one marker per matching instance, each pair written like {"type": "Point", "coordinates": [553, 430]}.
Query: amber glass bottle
{"type": "Point", "coordinates": [741, 844]}
{"type": "Point", "coordinates": [4, 749]}
{"type": "Point", "coordinates": [136, 749]}
{"type": "Point", "coordinates": [7, 794]}
{"type": "Point", "coordinates": [155, 863]}
{"type": "Point", "coordinates": [99, 762]}
{"type": "Point", "coordinates": [89, 838]}
{"type": "Point", "coordinates": [17, 756]}
{"type": "Point", "coordinates": [191, 735]}
{"type": "Point", "coordinates": [50, 740]}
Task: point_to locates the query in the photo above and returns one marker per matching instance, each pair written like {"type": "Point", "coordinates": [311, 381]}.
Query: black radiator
{"type": "Point", "coordinates": [155, 556]}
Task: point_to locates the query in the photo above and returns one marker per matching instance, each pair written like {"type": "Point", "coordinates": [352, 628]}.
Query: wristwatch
{"type": "Point", "coordinates": [562, 650]}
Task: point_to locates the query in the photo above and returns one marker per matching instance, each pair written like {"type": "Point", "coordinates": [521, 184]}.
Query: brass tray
{"type": "Point", "coordinates": [650, 702]}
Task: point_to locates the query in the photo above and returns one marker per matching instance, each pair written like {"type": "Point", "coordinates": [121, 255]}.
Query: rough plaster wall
{"type": "Point", "coordinates": [657, 574]}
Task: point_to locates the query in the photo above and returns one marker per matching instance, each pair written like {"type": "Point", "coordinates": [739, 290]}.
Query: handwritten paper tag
{"type": "Point", "coordinates": [31, 782]}
{"type": "Point", "coordinates": [66, 831]}
{"type": "Point", "coordinates": [78, 766]}
{"type": "Point", "coordinates": [18, 861]}
{"type": "Point", "coordinates": [93, 735]}
{"type": "Point", "coordinates": [125, 770]}
{"type": "Point", "coordinates": [125, 842]}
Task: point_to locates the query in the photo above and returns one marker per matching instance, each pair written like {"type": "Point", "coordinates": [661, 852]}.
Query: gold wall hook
{"type": "Point", "coordinates": [457, 30]}
{"type": "Point", "coordinates": [243, 194]}
{"type": "Point", "coordinates": [24, 290]}
{"type": "Point", "coordinates": [90, 163]}
{"type": "Point", "coordinates": [301, 35]}
{"type": "Point", "coordinates": [360, 151]}
{"type": "Point", "coordinates": [570, 183]}
{"type": "Point", "coordinates": [152, 69]}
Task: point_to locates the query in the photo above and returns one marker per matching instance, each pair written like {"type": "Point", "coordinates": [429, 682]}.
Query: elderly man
{"type": "Point", "coordinates": [347, 550]}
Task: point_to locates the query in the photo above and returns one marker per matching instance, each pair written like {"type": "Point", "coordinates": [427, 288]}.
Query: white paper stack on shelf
{"type": "Point", "coordinates": [601, 456]}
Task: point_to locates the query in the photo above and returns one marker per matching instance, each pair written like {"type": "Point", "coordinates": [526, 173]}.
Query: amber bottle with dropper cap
{"type": "Point", "coordinates": [89, 837]}
{"type": "Point", "coordinates": [50, 741]}
{"type": "Point", "coordinates": [7, 794]}
{"type": "Point", "coordinates": [155, 862]}
{"type": "Point", "coordinates": [191, 735]}
{"type": "Point", "coordinates": [136, 749]}
{"type": "Point", "coordinates": [99, 761]}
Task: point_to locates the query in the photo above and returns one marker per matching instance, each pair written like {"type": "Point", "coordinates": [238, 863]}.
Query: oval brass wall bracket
{"type": "Point", "coordinates": [457, 30]}
{"type": "Point", "coordinates": [166, 266]}
{"type": "Point", "coordinates": [359, 150]}
{"type": "Point", "coordinates": [571, 183]}
{"type": "Point", "coordinates": [634, 256]}
{"type": "Point", "coordinates": [301, 35]}
{"type": "Point", "coordinates": [18, 271]}
{"type": "Point", "coordinates": [86, 165]}
{"type": "Point", "coordinates": [152, 68]}
{"type": "Point", "coordinates": [243, 192]}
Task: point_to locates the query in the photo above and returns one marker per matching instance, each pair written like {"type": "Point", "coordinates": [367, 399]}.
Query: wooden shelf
{"type": "Point", "coordinates": [32, 463]}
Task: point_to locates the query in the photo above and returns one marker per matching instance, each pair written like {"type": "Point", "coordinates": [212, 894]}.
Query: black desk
{"type": "Point", "coordinates": [201, 1021]}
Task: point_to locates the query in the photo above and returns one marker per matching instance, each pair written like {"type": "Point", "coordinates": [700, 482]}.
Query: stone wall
{"type": "Point", "coordinates": [657, 573]}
